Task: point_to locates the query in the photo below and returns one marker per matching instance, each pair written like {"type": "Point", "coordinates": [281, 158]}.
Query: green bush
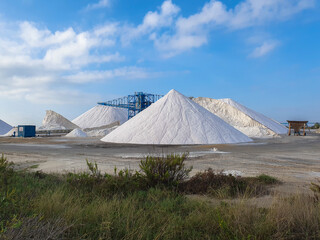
{"type": "Point", "coordinates": [168, 171]}
{"type": "Point", "coordinates": [5, 165]}
{"type": "Point", "coordinates": [6, 172]}
{"type": "Point", "coordinates": [8, 207]}
{"type": "Point", "coordinates": [220, 185]}
{"type": "Point", "coordinates": [267, 179]}
{"type": "Point", "coordinates": [121, 182]}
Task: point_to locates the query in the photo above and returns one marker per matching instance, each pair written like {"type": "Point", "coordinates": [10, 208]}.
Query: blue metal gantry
{"type": "Point", "coordinates": [134, 103]}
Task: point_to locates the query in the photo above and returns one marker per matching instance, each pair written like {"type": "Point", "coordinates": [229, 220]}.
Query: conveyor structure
{"type": "Point", "coordinates": [134, 103]}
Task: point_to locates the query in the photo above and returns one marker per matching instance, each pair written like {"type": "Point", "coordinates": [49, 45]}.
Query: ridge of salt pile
{"type": "Point", "coordinates": [268, 122]}
{"type": "Point", "coordinates": [55, 121]}
{"type": "Point", "coordinates": [101, 115]}
{"type": "Point", "coordinates": [76, 133]}
{"type": "Point", "coordinates": [235, 117]}
{"type": "Point", "coordinates": [4, 127]}
{"type": "Point", "coordinates": [175, 119]}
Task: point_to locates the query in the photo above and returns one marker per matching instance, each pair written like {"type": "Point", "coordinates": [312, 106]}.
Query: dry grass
{"type": "Point", "coordinates": [36, 228]}
{"type": "Point", "coordinates": [45, 206]}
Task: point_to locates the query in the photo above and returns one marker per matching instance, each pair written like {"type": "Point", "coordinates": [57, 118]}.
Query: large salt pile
{"type": "Point", "coordinates": [101, 115]}
{"type": "Point", "coordinates": [55, 121]}
{"type": "Point", "coordinates": [175, 119]}
{"type": "Point", "coordinates": [267, 122]}
{"type": "Point", "coordinates": [235, 117]}
{"type": "Point", "coordinates": [76, 133]}
{"type": "Point", "coordinates": [4, 127]}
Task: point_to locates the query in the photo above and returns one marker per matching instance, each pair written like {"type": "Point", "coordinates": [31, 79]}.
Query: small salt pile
{"type": "Point", "coordinates": [76, 133]}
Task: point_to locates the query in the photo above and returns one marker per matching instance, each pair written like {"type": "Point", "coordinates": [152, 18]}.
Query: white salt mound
{"type": "Point", "coordinates": [4, 127]}
{"type": "Point", "coordinates": [10, 133]}
{"type": "Point", "coordinates": [55, 121]}
{"type": "Point", "coordinates": [175, 119]}
{"type": "Point", "coordinates": [76, 133]}
{"type": "Point", "coordinates": [101, 115]}
{"type": "Point", "coordinates": [267, 122]}
{"type": "Point", "coordinates": [235, 118]}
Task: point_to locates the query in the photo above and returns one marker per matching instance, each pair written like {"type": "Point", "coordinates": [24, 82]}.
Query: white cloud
{"type": "Point", "coordinates": [100, 4]}
{"type": "Point", "coordinates": [152, 21]}
{"type": "Point", "coordinates": [213, 12]}
{"type": "Point", "coordinates": [109, 29]}
{"type": "Point", "coordinates": [42, 94]}
{"type": "Point", "coordinates": [252, 12]}
{"type": "Point", "coordinates": [192, 31]}
{"type": "Point", "coordinates": [34, 60]}
{"type": "Point", "coordinates": [264, 49]}
{"type": "Point", "coordinates": [95, 76]}
{"type": "Point", "coordinates": [172, 45]}
{"type": "Point", "coordinates": [33, 55]}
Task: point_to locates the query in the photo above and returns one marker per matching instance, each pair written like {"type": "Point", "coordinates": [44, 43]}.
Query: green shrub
{"type": "Point", "coordinates": [121, 182]}
{"type": "Point", "coordinates": [6, 172]}
{"type": "Point", "coordinates": [5, 165]}
{"type": "Point", "coordinates": [225, 186]}
{"type": "Point", "coordinates": [93, 168]}
{"type": "Point", "coordinates": [8, 205]}
{"type": "Point", "coordinates": [267, 179]}
{"type": "Point", "coordinates": [167, 171]}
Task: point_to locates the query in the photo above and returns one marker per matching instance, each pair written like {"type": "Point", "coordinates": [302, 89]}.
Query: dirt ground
{"type": "Point", "coordinates": [295, 160]}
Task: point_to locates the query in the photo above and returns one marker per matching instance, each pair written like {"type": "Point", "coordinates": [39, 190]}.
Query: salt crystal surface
{"type": "Point", "coordinates": [101, 115]}
{"type": "Point", "coordinates": [76, 133]}
{"type": "Point", "coordinates": [268, 122]}
{"type": "Point", "coordinates": [55, 121]}
{"type": "Point", "coordinates": [100, 132]}
{"type": "Point", "coordinates": [4, 127]}
{"type": "Point", "coordinates": [235, 118]}
{"type": "Point", "coordinates": [175, 119]}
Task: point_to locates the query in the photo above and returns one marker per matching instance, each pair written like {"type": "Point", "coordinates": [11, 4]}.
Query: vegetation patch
{"type": "Point", "coordinates": [135, 205]}
{"type": "Point", "coordinates": [220, 185]}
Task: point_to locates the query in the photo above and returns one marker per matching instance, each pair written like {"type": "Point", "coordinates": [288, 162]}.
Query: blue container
{"type": "Point", "coordinates": [26, 131]}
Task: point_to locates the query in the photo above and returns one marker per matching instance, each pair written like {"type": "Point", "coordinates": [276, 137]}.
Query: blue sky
{"type": "Point", "coordinates": [66, 55]}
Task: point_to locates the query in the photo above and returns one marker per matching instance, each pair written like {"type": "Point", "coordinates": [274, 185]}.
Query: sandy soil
{"type": "Point", "coordinates": [295, 160]}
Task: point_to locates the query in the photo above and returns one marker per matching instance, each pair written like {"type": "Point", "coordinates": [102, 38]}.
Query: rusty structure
{"type": "Point", "coordinates": [297, 126]}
